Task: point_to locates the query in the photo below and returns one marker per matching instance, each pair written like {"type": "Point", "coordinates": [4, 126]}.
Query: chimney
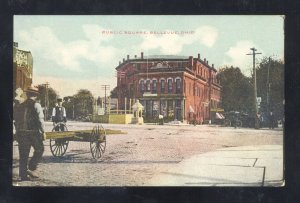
{"type": "Point", "coordinates": [204, 60]}
{"type": "Point", "coordinates": [198, 56]}
{"type": "Point", "coordinates": [142, 55]}
{"type": "Point", "coordinates": [123, 59]}
{"type": "Point", "coordinates": [191, 61]}
{"type": "Point", "coordinates": [207, 62]}
{"type": "Point", "coordinates": [127, 57]}
{"type": "Point", "coordinates": [135, 56]}
{"type": "Point", "coordinates": [212, 65]}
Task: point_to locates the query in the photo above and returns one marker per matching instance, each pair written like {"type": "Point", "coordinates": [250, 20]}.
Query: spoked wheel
{"type": "Point", "coordinates": [227, 122]}
{"type": "Point", "coordinates": [98, 141]}
{"type": "Point", "coordinates": [238, 123]}
{"type": "Point", "coordinates": [59, 146]}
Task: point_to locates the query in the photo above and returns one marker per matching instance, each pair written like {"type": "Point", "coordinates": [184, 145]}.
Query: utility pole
{"type": "Point", "coordinates": [105, 87]}
{"type": "Point", "coordinates": [255, 87]}
{"type": "Point", "coordinates": [268, 87]}
{"type": "Point", "coordinates": [46, 100]}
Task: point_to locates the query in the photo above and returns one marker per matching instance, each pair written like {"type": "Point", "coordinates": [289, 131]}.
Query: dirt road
{"type": "Point", "coordinates": [133, 158]}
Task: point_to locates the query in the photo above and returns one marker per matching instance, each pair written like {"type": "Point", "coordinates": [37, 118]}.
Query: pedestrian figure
{"type": "Point", "coordinates": [258, 116]}
{"type": "Point", "coordinates": [271, 120]}
{"type": "Point", "coordinates": [29, 124]}
{"type": "Point", "coordinates": [59, 115]}
{"type": "Point", "coordinates": [235, 119]}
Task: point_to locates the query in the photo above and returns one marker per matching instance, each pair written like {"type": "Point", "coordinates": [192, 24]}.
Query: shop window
{"type": "Point", "coordinates": [163, 108]}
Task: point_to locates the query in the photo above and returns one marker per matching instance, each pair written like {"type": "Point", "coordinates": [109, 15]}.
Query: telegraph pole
{"type": "Point", "coordinates": [268, 87]}
{"type": "Point", "coordinates": [46, 100]}
{"type": "Point", "coordinates": [105, 87]}
{"type": "Point", "coordinates": [255, 87]}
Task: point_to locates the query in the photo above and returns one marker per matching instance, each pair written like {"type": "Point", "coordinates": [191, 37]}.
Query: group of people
{"type": "Point", "coordinates": [29, 130]}
{"type": "Point", "coordinates": [271, 122]}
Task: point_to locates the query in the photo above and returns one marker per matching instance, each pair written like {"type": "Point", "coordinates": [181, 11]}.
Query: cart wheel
{"type": "Point", "coordinates": [98, 142]}
{"type": "Point", "coordinates": [238, 123]}
{"type": "Point", "coordinates": [227, 122]}
{"type": "Point", "coordinates": [59, 146]}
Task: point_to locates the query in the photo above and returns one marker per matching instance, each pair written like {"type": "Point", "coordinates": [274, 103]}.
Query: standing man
{"type": "Point", "coordinates": [59, 115]}
{"type": "Point", "coordinates": [29, 123]}
{"type": "Point", "coordinates": [271, 120]}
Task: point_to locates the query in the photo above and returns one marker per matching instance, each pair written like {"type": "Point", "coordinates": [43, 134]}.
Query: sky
{"type": "Point", "coordinates": [81, 52]}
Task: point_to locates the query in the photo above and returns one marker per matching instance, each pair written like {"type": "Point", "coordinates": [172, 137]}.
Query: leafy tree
{"type": "Point", "coordinates": [69, 106]}
{"type": "Point", "coordinates": [237, 89]}
{"type": "Point", "coordinates": [52, 95]}
{"type": "Point", "coordinates": [83, 103]}
{"type": "Point", "coordinates": [272, 94]}
{"type": "Point", "coordinates": [237, 94]}
{"type": "Point", "coordinates": [114, 93]}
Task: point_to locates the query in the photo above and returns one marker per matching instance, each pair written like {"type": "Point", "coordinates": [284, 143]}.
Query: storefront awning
{"type": "Point", "coordinates": [219, 116]}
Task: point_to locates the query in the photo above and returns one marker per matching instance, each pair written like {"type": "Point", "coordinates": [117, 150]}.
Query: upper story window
{"type": "Point", "coordinates": [153, 89]}
{"type": "Point", "coordinates": [178, 85]}
{"type": "Point", "coordinates": [162, 86]}
{"type": "Point", "coordinates": [170, 85]}
{"type": "Point", "coordinates": [142, 86]}
{"type": "Point", "coordinates": [148, 86]}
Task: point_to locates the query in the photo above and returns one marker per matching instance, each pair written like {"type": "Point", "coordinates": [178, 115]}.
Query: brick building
{"type": "Point", "coordinates": [22, 68]}
{"type": "Point", "coordinates": [182, 88]}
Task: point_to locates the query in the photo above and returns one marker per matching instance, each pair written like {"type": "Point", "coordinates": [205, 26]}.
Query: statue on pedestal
{"type": "Point", "coordinates": [137, 113]}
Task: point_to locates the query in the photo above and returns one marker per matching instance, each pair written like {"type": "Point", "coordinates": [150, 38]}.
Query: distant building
{"type": "Point", "coordinates": [177, 87]}
{"type": "Point", "coordinates": [22, 68]}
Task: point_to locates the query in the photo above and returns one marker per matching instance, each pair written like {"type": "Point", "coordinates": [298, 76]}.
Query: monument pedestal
{"type": "Point", "coordinates": [137, 113]}
{"type": "Point", "coordinates": [137, 120]}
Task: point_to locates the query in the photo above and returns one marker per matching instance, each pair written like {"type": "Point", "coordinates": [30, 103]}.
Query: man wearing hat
{"type": "Point", "coordinates": [29, 123]}
{"type": "Point", "coordinates": [59, 115]}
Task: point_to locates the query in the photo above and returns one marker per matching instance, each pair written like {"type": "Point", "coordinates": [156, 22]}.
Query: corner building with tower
{"type": "Point", "coordinates": [177, 87]}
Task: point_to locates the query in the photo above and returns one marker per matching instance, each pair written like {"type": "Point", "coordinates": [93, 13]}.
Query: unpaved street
{"type": "Point", "coordinates": [132, 159]}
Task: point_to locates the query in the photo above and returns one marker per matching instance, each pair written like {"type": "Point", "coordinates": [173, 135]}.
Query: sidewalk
{"type": "Point", "coordinates": [260, 165]}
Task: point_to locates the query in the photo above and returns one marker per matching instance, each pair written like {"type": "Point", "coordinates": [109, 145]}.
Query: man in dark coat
{"type": "Point", "coordinates": [29, 123]}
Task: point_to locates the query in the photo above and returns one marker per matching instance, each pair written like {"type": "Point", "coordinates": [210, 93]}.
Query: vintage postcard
{"type": "Point", "coordinates": [104, 100]}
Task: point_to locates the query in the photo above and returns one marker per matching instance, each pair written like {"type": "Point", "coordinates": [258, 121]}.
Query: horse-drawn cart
{"type": "Point", "coordinates": [59, 140]}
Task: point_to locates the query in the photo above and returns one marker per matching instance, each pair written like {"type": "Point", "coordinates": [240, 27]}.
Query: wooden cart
{"type": "Point", "coordinates": [59, 140]}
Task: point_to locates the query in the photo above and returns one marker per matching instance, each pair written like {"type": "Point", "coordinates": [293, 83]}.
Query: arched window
{"type": "Point", "coordinates": [170, 85]}
{"type": "Point", "coordinates": [153, 88]}
{"type": "Point", "coordinates": [142, 86]}
{"type": "Point", "coordinates": [178, 85]}
{"type": "Point", "coordinates": [162, 85]}
{"type": "Point", "coordinates": [147, 85]}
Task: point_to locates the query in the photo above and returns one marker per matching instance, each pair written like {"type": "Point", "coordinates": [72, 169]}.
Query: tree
{"type": "Point", "coordinates": [237, 94]}
{"type": "Point", "coordinates": [114, 93]}
{"type": "Point", "coordinates": [272, 94]}
{"type": "Point", "coordinates": [52, 96]}
{"type": "Point", "coordinates": [69, 106]}
{"type": "Point", "coordinates": [83, 103]}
